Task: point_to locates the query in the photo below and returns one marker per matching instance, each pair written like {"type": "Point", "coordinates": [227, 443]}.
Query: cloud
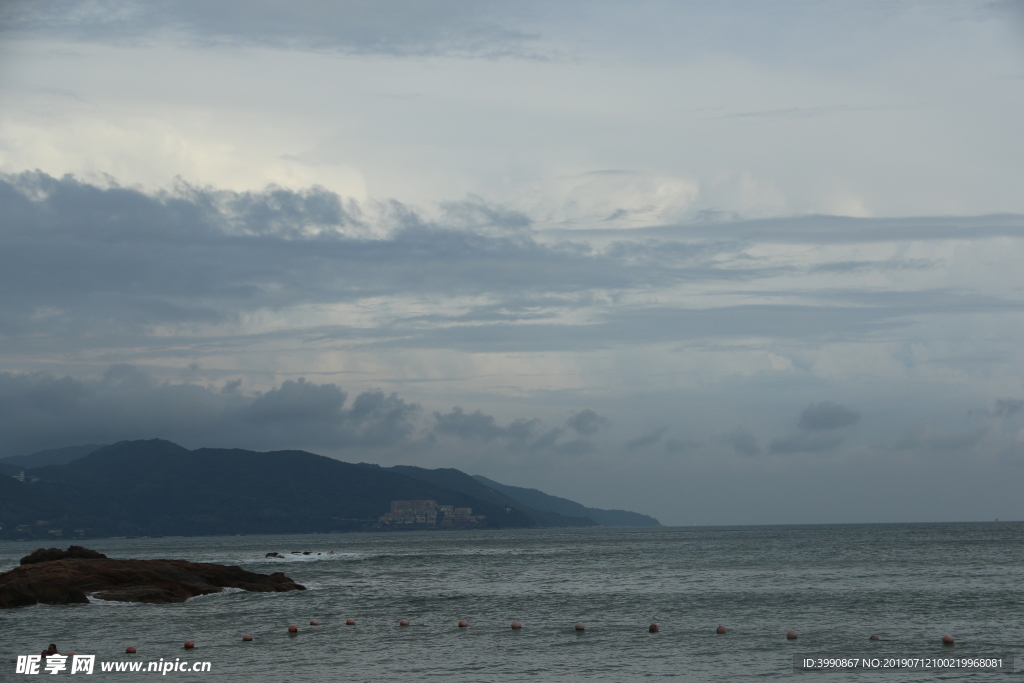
{"type": "Point", "coordinates": [92, 266]}
{"type": "Point", "coordinates": [1004, 407]}
{"type": "Point", "coordinates": [545, 441]}
{"type": "Point", "coordinates": [124, 376]}
{"type": "Point", "coordinates": [815, 428]}
{"type": "Point", "coordinates": [834, 230]}
{"type": "Point", "coordinates": [927, 439]}
{"type": "Point", "coordinates": [519, 436]}
{"type": "Point", "coordinates": [400, 27]}
{"type": "Point", "coordinates": [825, 415]}
{"type": "Point", "coordinates": [587, 422]}
{"type": "Point", "coordinates": [742, 441]}
{"type": "Point", "coordinates": [477, 425]}
{"type": "Point", "coordinates": [297, 402]}
{"type": "Point", "coordinates": [477, 214]}
{"type": "Point", "coordinates": [681, 446]}
{"type": "Point", "coordinates": [804, 442]}
{"type": "Point", "coordinates": [40, 411]}
{"type": "Point", "coordinates": [576, 447]}
{"type": "Point", "coordinates": [645, 440]}
{"type": "Point", "coordinates": [108, 263]}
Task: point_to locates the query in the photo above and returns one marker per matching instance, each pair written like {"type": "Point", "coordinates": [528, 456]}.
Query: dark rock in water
{"type": "Point", "coordinates": [275, 555]}
{"type": "Point", "coordinates": [24, 593]}
{"type": "Point", "coordinates": [71, 579]}
{"type": "Point", "coordinates": [74, 552]}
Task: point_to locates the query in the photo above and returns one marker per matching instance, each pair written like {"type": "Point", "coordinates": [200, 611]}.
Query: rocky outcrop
{"type": "Point", "coordinates": [78, 573]}
{"type": "Point", "coordinates": [50, 554]}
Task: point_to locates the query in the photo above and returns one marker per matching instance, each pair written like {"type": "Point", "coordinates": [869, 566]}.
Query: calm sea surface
{"type": "Point", "coordinates": [835, 585]}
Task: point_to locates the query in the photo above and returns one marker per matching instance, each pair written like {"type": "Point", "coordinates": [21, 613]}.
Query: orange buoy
{"type": "Point", "coordinates": [947, 639]}
{"type": "Point", "coordinates": [463, 623]}
{"type": "Point", "coordinates": [580, 626]}
{"type": "Point", "coordinates": [246, 638]}
{"type": "Point", "coordinates": [189, 645]}
{"type": "Point", "coordinates": [653, 628]}
{"type": "Point", "coordinates": [293, 629]}
{"type": "Point", "coordinates": [721, 629]}
{"type": "Point", "coordinates": [130, 650]}
{"type": "Point", "coordinates": [314, 622]}
{"type": "Point", "coordinates": [791, 634]}
{"type": "Point", "coordinates": [403, 622]}
{"type": "Point", "coordinates": [873, 637]}
{"type": "Point", "coordinates": [516, 625]}
{"type": "Point", "coordinates": [350, 622]}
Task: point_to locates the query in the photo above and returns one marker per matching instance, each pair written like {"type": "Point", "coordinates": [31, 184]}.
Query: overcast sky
{"type": "Point", "coordinates": [718, 262]}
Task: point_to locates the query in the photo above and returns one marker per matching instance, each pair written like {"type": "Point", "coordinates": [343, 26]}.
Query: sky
{"type": "Point", "coordinates": [718, 262]}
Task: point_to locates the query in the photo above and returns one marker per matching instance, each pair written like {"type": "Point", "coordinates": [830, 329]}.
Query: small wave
{"type": "Point", "coordinates": [93, 600]}
{"type": "Point", "coordinates": [223, 591]}
{"type": "Point", "coordinates": [310, 586]}
{"type": "Point", "coordinates": [314, 557]}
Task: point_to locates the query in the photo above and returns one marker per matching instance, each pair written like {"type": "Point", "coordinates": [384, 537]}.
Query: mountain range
{"type": "Point", "coordinates": [158, 488]}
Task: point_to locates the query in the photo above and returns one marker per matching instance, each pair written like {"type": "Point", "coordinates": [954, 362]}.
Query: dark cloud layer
{"type": "Point", "coordinates": [825, 415]}
{"type": "Point", "coordinates": [1004, 407]}
{"type": "Point", "coordinates": [41, 411]}
{"type": "Point", "coordinates": [478, 425]}
{"type": "Point", "coordinates": [77, 258]}
{"type": "Point", "coordinates": [38, 411]}
{"type": "Point", "coordinates": [521, 435]}
{"type": "Point", "coordinates": [85, 266]}
{"type": "Point", "coordinates": [816, 429]}
{"type": "Point", "coordinates": [587, 422]}
{"type": "Point", "coordinates": [398, 27]}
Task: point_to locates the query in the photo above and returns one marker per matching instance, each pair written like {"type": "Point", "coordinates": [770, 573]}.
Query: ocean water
{"type": "Point", "coordinates": [835, 585]}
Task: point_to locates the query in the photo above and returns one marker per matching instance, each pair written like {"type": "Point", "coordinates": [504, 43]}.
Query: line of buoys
{"type": "Point", "coordinates": [791, 634]}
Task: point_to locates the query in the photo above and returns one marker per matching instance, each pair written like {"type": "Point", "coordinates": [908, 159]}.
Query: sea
{"type": "Point", "coordinates": [835, 585]}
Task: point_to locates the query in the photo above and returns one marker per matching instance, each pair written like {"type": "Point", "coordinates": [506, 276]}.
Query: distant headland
{"type": "Point", "coordinates": [157, 488]}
